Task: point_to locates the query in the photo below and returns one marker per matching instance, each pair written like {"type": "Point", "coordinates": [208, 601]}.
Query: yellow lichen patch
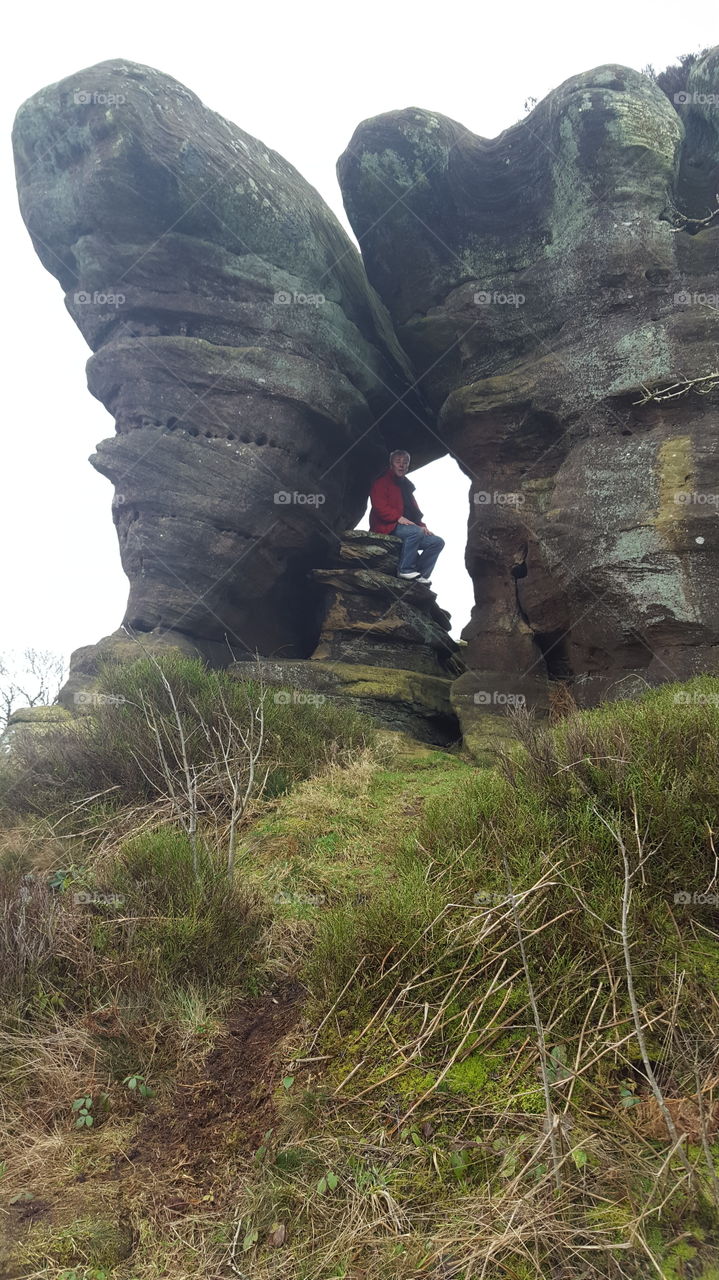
{"type": "Point", "coordinates": [675, 468]}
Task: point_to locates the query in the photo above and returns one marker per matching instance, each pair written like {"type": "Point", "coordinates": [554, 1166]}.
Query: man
{"type": "Point", "coordinates": [394, 510]}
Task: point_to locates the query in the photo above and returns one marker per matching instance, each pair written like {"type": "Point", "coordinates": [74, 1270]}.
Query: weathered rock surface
{"type": "Point", "coordinates": [384, 645]}
{"type": "Point", "coordinates": [410, 701]}
{"type": "Point", "coordinates": [123, 648]}
{"type": "Point", "coordinates": [237, 344]}
{"type": "Point", "coordinates": [372, 617]}
{"type": "Point", "coordinates": [545, 288]}
{"type": "Point", "coordinates": [539, 282]}
{"type": "Point", "coordinates": [32, 721]}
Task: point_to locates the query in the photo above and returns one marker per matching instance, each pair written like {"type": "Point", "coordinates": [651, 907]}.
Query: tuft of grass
{"type": "Point", "coordinates": [114, 750]}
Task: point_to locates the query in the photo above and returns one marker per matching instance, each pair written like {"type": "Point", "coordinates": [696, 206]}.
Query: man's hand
{"type": "Point", "coordinates": [404, 520]}
{"type": "Point", "coordinates": [426, 530]}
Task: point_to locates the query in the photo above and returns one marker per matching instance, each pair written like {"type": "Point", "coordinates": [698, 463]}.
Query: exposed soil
{"type": "Point", "coordinates": [225, 1113]}
{"type": "Point", "coordinates": [183, 1153]}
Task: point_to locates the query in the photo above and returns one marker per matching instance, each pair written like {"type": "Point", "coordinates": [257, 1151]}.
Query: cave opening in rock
{"type": "Point", "coordinates": [442, 492]}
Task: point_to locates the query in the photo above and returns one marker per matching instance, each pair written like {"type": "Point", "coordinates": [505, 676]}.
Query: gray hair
{"type": "Point", "coordinates": [399, 453]}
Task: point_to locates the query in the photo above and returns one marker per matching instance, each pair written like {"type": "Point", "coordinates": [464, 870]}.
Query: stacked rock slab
{"type": "Point", "coordinates": [373, 617]}
{"type": "Point", "coordinates": [384, 644]}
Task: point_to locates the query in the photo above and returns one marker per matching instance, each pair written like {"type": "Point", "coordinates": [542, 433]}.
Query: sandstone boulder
{"type": "Point", "coordinates": [548, 286]}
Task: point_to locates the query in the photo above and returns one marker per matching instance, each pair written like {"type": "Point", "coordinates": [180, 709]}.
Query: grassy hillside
{"type": "Point", "coordinates": [428, 1020]}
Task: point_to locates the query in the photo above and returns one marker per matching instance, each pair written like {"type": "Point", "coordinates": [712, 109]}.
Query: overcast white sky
{"type": "Point", "coordinates": [300, 78]}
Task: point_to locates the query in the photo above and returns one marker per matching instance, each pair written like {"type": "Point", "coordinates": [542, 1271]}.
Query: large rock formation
{"type": "Point", "coordinates": [254, 377]}
{"type": "Point", "coordinates": [545, 287]}
{"type": "Point", "coordinates": [539, 283]}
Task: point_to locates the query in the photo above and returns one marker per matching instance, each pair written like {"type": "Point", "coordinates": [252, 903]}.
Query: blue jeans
{"type": "Point", "coordinates": [419, 549]}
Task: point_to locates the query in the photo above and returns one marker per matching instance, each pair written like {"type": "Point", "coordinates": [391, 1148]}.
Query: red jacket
{"type": "Point", "coordinates": [388, 503]}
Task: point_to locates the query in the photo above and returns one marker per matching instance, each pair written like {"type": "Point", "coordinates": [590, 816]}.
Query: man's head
{"type": "Point", "coordinates": [399, 461]}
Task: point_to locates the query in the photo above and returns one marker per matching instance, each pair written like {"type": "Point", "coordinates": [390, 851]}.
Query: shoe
{"type": "Point", "coordinates": [426, 581]}
{"type": "Point", "coordinates": [413, 574]}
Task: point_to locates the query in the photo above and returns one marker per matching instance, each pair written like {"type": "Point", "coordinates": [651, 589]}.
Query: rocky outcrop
{"type": "Point", "coordinates": [32, 721]}
{"type": "Point", "coordinates": [547, 285]}
{"type": "Point", "coordinates": [370, 616]}
{"type": "Point", "coordinates": [254, 377]}
{"type": "Point", "coordinates": [384, 645]}
{"type": "Point", "coordinates": [543, 289]}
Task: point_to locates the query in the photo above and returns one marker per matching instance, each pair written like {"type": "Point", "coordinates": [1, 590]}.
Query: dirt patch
{"type": "Point", "coordinates": [224, 1114]}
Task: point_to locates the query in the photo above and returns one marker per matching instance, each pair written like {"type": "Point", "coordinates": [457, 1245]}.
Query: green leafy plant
{"type": "Point", "coordinates": [93, 1273]}
{"type": "Point", "coordinates": [557, 1068]}
{"type": "Point", "coordinates": [136, 1084]}
{"type": "Point", "coordinates": [251, 1237]}
{"type": "Point", "coordinates": [87, 1112]}
{"type": "Point", "coordinates": [413, 1134]}
{"type": "Point", "coordinates": [329, 1182]}
{"type": "Point", "coordinates": [263, 1148]}
{"type": "Point", "coordinates": [83, 1109]}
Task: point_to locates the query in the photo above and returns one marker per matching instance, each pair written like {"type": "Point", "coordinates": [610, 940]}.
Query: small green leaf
{"type": "Point", "coordinates": [321, 1186]}
{"type": "Point", "coordinates": [579, 1157]}
{"type": "Point", "coordinates": [332, 1181]}
{"type": "Point", "coordinates": [288, 1082]}
{"type": "Point", "coordinates": [250, 1239]}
